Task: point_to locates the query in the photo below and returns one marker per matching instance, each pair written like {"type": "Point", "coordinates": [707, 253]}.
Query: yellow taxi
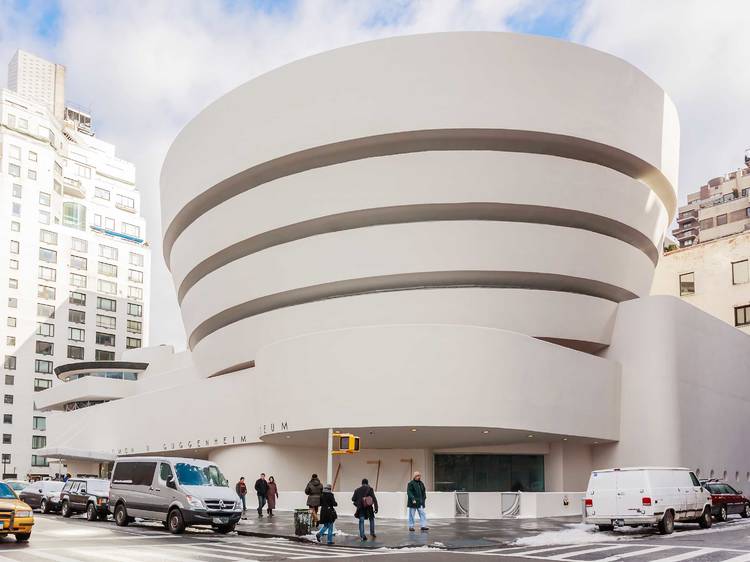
{"type": "Point", "coordinates": [16, 517]}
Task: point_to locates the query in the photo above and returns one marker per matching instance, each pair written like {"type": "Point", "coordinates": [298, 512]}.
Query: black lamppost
{"type": "Point", "coordinates": [6, 460]}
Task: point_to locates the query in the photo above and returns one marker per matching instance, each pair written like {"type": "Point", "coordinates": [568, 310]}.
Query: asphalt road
{"type": "Point", "coordinates": [76, 540]}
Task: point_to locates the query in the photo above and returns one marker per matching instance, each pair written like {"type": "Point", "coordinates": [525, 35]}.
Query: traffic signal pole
{"type": "Point", "coordinates": [329, 458]}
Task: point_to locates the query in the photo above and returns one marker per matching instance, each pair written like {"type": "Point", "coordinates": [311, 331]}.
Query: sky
{"type": "Point", "coordinates": [145, 68]}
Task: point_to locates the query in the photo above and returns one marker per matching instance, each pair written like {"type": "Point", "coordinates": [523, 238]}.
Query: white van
{"type": "Point", "coordinates": [646, 496]}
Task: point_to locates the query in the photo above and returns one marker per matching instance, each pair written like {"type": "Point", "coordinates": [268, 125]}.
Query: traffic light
{"type": "Point", "coordinates": [345, 444]}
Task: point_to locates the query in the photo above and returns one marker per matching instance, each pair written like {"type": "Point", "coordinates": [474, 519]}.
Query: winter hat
{"type": "Point", "coordinates": [327, 488]}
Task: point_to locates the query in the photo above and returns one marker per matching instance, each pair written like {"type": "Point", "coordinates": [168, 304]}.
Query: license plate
{"type": "Point", "coordinates": [221, 520]}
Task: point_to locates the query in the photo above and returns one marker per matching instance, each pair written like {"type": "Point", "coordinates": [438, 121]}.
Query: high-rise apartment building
{"type": "Point", "coordinates": [38, 80]}
{"type": "Point", "coordinates": [73, 240]}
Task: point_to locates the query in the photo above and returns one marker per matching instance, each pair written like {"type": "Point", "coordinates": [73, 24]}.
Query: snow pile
{"type": "Point", "coordinates": [575, 533]}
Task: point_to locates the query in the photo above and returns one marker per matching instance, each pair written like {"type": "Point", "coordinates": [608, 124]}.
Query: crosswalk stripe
{"type": "Point", "coordinates": [541, 550]}
{"type": "Point", "coordinates": [303, 545]}
{"type": "Point", "coordinates": [567, 555]}
{"type": "Point", "coordinates": [740, 558]}
{"type": "Point", "coordinates": [161, 555]}
{"type": "Point", "coordinates": [54, 557]}
{"type": "Point", "coordinates": [649, 550]}
{"type": "Point", "coordinates": [282, 548]}
{"type": "Point", "coordinates": [99, 554]}
{"type": "Point", "coordinates": [688, 555]}
{"type": "Point", "coordinates": [212, 551]}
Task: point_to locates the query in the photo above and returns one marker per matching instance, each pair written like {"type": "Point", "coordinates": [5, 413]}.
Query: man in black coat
{"type": "Point", "coordinates": [261, 488]}
{"type": "Point", "coordinates": [367, 506]}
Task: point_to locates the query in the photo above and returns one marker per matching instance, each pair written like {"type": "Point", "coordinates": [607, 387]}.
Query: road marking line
{"type": "Point", "coordinates": [159, 553]}
{"type": "Point", "coordinates": [675, 558]}
{"type": "Point", "coordinates": [550, 548]}
{"type": "Point", "coordinates": [54, 557]}
{"type": "Point", "coordinates": [97, 553]}
{"type": "Point", "coordinates": [213, 548]}
{"type": "Point", "coordinates": [688, 555]}
{"type": "Point", "coordinates": [741, 558]}
{"type": "Point", "coordinates": [567, 555]}
{"type": "Point", "coordinates": [281, 548]}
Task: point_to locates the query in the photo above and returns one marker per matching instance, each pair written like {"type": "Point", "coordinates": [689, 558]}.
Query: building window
{"type": "Point", "coordinates": [105, 339]}
{"type": "Point", "coordinates": [135, 276]}
{"type": "Point", "coordinates": [12, 302]}
{"type": "Point", "coordinates": [136, 259]}
{"type": "Point", "coordinates": [7, 439]}
{"type": "Point", "coordinates": [742, 315]}
{"type": "Point", "coordinates": [36, 460]}
{"type": "Point", "coordinates": [108, 287]}
{"type": "Point", "coordinates": [13, 264]}
{"type": "Point", "coordinates": [131, 230]}
{"type": "Point", "coordinates": [42, 384]}
{"type": "Point", "coordinates": [7, 418]}
{"type": "Point", "coordinates": [44, 217]}
{"type": "Point", "coordinates": [45, 330]}
{"type": "Point", "coordinates": [77, 298]}
{"type": "Point", "coordinates": [47, 273]}
{"type": "Point", "coordinates": [39, 423]}
{"type": "Point", "coordinates": [109, 305]}
{"type": "Point", "coordinates": [10, 380]}
{"type": "Point", "coordinates": [12, 283]}
{"type": "Point", "coordinates": [31, 174]}
{"type": "Point", "coordinates": [79, 245]}
{"type": "Point", "coordinates": [45, 310]}
{"type": "Point", "coordinates": [14, 170]}
{"type": "Point", "coordinates": [15, 226]}
{"type": "Point", "coordinates": [32, 156]}
{"type": "Point", "coordinates": [77, 262]}
{"type": "Point", "coordinates": [15, 247]}
{"type": "Point", "coordinates": [687, 284]}
{"type": "Point", "coordinates": [10, 362]}
{"type": "Point", "coordinates": [10, 341]}
{"type": "Point", "coordinates": [42, 366]}
{"type": "Point", "coordinates": [76, 316]}
{"type": "Point", "coordinates": [134, 326]}
{"type": "Point", "coordinates": [106, 322]}
{"type": "Point", "coordinates": [135, 309]}
{"type": "Point", "coordinates": [74, 215]}
{"type": "Point", "coordinates": [109, 223]}
{"type": "Point", "coordinates": [17, 190]}
{"type": "Point", "coordinates": [100, 193]}
{"type": "Point", "coordinates": [23, 123]}
{"type": "Point", "coordinates": [489, 473]}
{"type": "Point", "coordinates": [44, 199]}
{"type": "Point", "coordinates": [46, 292]}
{"type": "Point", "coordinates": [107, 269]}
{"type": "Point", "coordinates": [125, 202]}
{"type": "Point", "coordinates": [14, 152]}
{"type": "Point", "coordinates": [721, 219]}
{"type": "Point", "coordinates": [45, 348]}
{"type": "Point", "coordinates": [11, 322]}
{"type": "Point", "coordinates": [8, 399]}
{"type": "Point", "coordinates": [38, 441]}
{"type": "Point", "coordinates": [132, 343]}
{"type": "Point", "coordinates": [47, 255]}
{"type": "Point", "coordinates": [135, 293]}
{"type": "Point", "coordinates": [78, 280]}
{"type": "Point", "coordinates": [740, 273]}
{"type": "Point", "coordinates": [75, 352]}
{"type": "Point", "coordinates": [108, 252]}
{"type": "Point", "coordinates": [101, 355]}
{"type": "Point", "coordinates": [76, 334]}
{"type": "Point", "coordinates": [48, 237]}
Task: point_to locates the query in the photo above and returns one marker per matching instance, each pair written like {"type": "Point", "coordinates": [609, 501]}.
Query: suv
{"type": "Point", "coordinates": [85, 495]}
{"type": "Point", "coordinates": [726, 500]}
{"type": "Point", "coordinates": [179, 492]}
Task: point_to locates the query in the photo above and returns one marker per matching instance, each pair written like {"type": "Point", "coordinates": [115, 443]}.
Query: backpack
{"type": "Point", "coordinates": [367, 501]}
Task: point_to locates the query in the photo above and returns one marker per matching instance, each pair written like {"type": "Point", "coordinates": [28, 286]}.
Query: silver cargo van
{"type": "Point", "coordinates": [179, 492]}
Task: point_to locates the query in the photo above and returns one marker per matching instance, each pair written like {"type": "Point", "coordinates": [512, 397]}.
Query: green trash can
{"type": "Point", "coordinates": [302, 522]}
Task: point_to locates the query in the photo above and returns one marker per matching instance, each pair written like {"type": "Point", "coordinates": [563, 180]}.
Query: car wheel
{"type": "Point", "coordinates": [224, 529]}
{"type": "Point", "coordinates": [745, 513]}
{"type": "Point", "coordinates": [65, 510]}
{"type": "Point", "coordinates": [606, 527]}
{"type": "Point", "coordinates": [44, 506]}
{"type": "Point", "coordinates": [121, 516]}
{"type": "Point", "coordinates": [175, 522]}
{"type": "Point", "coordinates": [23, 537]}
{"type": "Point", "coordinates": [706, 520]}
{"type": "Point", "coordinates": [722, 515]}
{"type": "Point", "coordinates": [666, 525]}
{"type": "Point", "coordinates": [91, 513]}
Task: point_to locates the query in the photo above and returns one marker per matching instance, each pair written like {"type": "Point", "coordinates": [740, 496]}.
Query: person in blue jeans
{"type": "Point", "coordinates": [416, 496]}
{"type": "Point", "coordinates": [327, 513]}
{"type": "Point", "coordinates": [367, 506]}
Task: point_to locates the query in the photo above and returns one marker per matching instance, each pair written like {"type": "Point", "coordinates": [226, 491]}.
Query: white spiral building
{"type": "Point", "coordinates": [427, 241]}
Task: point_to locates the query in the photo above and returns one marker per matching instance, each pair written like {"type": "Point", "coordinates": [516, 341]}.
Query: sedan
{"type": "Point", "coordinates": [43, 495]}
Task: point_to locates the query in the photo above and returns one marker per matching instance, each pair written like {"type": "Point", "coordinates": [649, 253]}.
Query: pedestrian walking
{"type": "Point", "coordinates": [241, 489]}
{"type": "Point", "coordinates": [313, 490]}
{"type": "Point", "coordinates": [261, 488]}
{"type": "Point", "coordinates": [328, 514]}
{"type": "Point", "coordinates": [416, 497]}
{"type": "Point", "coordinates": [271, 495]}
{"type": "Point", "coordinates": [367, 506]}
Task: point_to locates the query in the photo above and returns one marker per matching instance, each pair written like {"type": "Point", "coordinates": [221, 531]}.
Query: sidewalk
{"type": "Point", "coordinates": [393, 533]}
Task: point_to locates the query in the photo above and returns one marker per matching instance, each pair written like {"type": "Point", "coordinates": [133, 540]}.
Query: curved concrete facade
{"type": "Point", "coordinates": [533, 189]}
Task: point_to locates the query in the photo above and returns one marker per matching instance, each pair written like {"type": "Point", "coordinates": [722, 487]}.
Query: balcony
{"type": "Point", "coordinates": [74, 188]}
{"type": "Point", "coordinates": [685, 234]}
{"type": "Point", "coordinates": [687, 217]}
{"type": "Point", "coordinates": [85, 389]}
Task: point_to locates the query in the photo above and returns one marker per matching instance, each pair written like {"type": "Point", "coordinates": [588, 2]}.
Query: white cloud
{"type": "Point", "coordinates": [696, 51]}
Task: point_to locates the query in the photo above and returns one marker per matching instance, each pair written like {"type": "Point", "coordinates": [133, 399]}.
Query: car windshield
{"type": "Point", "coordinates": [6, 492]}
{"type": "Point", "coordinates": [192, 475]}
{"type": "Point", "coordinates": [18, 486]}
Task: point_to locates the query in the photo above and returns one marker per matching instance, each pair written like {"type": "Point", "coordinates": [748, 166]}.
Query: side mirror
{"type": "Point", "coordinates": [171, 483]}
{"type": "Point", "coordinates": [83, 491]}
{"type": "Point", "coordinates": [739, 492]}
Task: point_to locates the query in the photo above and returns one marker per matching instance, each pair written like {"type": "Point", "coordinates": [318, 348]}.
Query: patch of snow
{"type": "Point", "coordinates": [577, 533]}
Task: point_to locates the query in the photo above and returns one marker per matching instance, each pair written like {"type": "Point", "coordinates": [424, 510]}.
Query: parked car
{"type": "Point", "coordinates": [43, 495]}
{"type": "Point", "coordinates": [16, 517]}
{"type": "Point", "coordinates": [726, 500]}
{"type": "Point", "coordinates": [85, 495]}
{"type": "Point", "coordinates": [646, 496]}
{"type": "Point", "coordinates": [177, 491]}
{"type": "Point", "coordinates": [17, 485]}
